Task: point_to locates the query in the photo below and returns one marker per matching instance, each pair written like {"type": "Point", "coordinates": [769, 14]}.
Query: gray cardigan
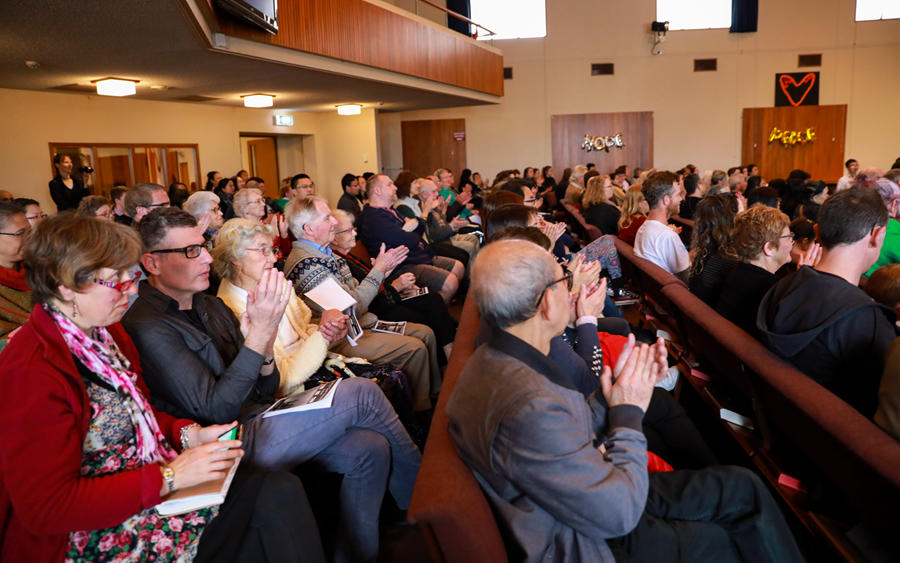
{"type": "Point", "coordinates": [530, 439]}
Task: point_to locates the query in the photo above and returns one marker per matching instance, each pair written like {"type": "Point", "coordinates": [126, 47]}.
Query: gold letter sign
{"type": "Point", "coordinates": [791, 138]}
{"type": "Point", "coordinates": [602, 143]}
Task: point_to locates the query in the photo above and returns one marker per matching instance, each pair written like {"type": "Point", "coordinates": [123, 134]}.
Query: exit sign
{"type": "Point", "coordinates": [286, 120]}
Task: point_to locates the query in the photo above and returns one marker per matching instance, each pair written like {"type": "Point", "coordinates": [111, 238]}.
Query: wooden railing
{"type": "Point", "coordinates": [373, 35]}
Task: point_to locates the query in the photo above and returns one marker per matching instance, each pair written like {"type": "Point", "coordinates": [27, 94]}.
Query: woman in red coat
{"type": "Point", "coordinates": [84, 457]}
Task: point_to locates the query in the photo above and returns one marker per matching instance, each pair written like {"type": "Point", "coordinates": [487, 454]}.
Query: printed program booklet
{"type": "Point", "coordinates": [390, 327]}
{"type": "Point", "coordinates": [204, 495]}
{"type": "Point", "coordinates": [319, 397]}
{"type": "Point", "coordinates": [330, 295]}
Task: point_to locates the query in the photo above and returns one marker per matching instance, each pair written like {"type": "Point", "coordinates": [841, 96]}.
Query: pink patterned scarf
{"type": "Point", "coordinates": [101, 355]}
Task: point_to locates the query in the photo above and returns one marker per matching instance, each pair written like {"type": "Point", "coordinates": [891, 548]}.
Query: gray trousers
{"type": "Point", "coordinates": [415, 352]}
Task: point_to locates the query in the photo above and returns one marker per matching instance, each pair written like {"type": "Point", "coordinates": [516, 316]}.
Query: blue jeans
{"type": "Point", "coordinates": [360, 437]}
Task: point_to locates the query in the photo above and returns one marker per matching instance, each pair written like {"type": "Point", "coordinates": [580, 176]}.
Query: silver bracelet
{"type": "Point", "coordinates": [184, 435]}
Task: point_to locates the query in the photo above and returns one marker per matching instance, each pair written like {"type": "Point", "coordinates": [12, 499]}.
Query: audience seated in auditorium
{"type": "Point", "coordinates": [890, 250]}
{"type": "Point", "coordinates": [178, 192]}
{"type": "Point", "coordinates": [718, 183]}
{"type": "Point", "coordinates": [849, 178]}
{"type": "Point", "coordinates": [634, 213]}
{"type": "Point", "coordinates": [312, 261]}
{"type": "Point", "coordinates": [814, 195]}
{"type": "Point", "coordinates": [763, 195]}
{"type": "Point", "coordinates": [117, 196]}
{"type": "Point", "coordinates": [575, 187]}
{"type": "Point", "coordinates": [440, 229]}
{"type": "Point", "coordinates": [212, 180]}
{"type": "Point", "coordinates": [140, 200]}
{"type": "Point", "coordinates": [33, 211]}
{"type": "Point", "coordinates": [395, 302]}
{"type": "Point", "coordinates": [15, 297]}
{"type": "Point", "coordinates": [351, 199]}
{"type": "Point", "coordinates": [656, 241]}
{"type": "Point", "coordinates": [86, 458]}
{"type": "Point", "coordinates": [6, 197]}
{"type": "Point", "coordinates": [224, 375]}
{"type": "Point", "coordinates": [532, 441]}
{"type": "Point", "coordinates": [204, 206]}
{"type": "Point", "coordinates": [243, 252]}
{"type": "Point", "coordinates": [408, 202]}
{"type": "Point", "coordinates": [694, 193]}
{"type": "Point", "coordinates": [66, 189]}
{"type": "Point", "coordinates": [598, 206]}
{"type": "Point", "coordinates": [762, 243]}
{"type": "Point", "coordinates": [819, 320]}
{"type": "Point", "coordinates": [711, 256]}
{"type": "Point", "coordinates": [96, 206]}
{"type": "Point", "coordinates": [225, 189]}
{"type": "Point", "coordinates": [379, 225]}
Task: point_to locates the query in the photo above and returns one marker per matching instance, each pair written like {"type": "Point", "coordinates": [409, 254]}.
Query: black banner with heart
{"type": "Point", "coordinates": [796, 89]}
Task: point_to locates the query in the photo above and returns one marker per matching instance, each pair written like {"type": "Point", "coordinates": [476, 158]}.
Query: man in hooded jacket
{"type": "Point", "coordinates": [819, 320]}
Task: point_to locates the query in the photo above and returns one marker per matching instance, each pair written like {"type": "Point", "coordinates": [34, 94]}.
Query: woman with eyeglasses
{"type": "Point", "coordinates": [244, 250]}
{"type": "Point", "coordinates": [249, 203]}
{"type": "Point", "coordinates": [15, 297]}
{"type": "Point", "coordinates": [85, 458]}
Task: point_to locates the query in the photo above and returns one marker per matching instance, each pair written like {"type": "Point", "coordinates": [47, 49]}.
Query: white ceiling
{"type": "Point", "coordinates": [156, 42]}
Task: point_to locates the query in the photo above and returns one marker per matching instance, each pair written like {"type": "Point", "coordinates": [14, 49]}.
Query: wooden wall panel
{"type": "Point", "coordinates": [357, 31]}
{"type": "Point", "coordinates": [567, 135]}
{"type": "Point", "coordinates": [430, 144]}
{"type": "Point", "coordinates": [823, 157]}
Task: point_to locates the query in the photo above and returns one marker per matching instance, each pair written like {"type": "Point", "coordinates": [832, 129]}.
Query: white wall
{"type": "Point", "coordinates": [31, 120]}
{"type": "Point", "coordinates": [697, 116]}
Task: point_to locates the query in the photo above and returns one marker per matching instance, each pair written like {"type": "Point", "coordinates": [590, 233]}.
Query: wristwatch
{"type": "Point", "coordinates": [169, 477]}
{"type": "Point", "coordinates": [269, 361]}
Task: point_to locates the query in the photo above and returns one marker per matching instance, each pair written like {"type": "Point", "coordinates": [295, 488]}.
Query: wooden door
{"type": "Point", "coordinates": [432, 144]}
{"type": "Point", "coordinates": [822, 155]}
{"type": "Point", "coordinates": [568, 133]}
{"type": "Point", "coordinates": [264, 164]}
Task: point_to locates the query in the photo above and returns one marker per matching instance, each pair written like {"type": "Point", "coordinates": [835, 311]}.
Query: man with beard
{"type": "Point", "coordinates": [379, 225]}
{"type": "Point", "coordinates": [655, 240]}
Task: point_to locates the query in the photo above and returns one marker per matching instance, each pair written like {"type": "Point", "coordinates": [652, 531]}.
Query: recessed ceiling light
{"type": "Point", "coordinates": [349, 109]}
{"type": "Point", "coordinates": [32, 65]}
{"type": "Point", "coordinates": [258, 100]}
{"type": "Point", "coordinates": [115, 86]}
{"type": "Point", "coordinates": [158, 87]}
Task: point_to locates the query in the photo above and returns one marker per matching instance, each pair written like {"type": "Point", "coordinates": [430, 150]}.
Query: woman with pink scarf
{"type": "Point", "coordinates": [85, 458]}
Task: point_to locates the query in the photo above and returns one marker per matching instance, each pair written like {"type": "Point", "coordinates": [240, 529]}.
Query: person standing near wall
{"type": "Point", "coordinates": [65, 189]}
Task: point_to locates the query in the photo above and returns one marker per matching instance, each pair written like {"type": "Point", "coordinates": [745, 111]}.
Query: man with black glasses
{"type": "Point", "coordinates": [200, 361]}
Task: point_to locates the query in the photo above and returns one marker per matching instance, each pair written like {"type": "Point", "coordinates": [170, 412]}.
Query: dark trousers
{"type": "Point", "coordinates": [266, 517]}
{"type": "Point", "coordinates": [673, 436]}
{"type": "Point", "coordinates": [719, 514]}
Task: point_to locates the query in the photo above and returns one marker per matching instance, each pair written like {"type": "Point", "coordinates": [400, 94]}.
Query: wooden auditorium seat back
{"type": "Point", "coordinates": [360, 253]}
{"type": "Point", "coordinates": [446, 496]}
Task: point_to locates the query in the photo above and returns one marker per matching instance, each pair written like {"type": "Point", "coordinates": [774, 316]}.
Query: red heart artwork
{"type": "Point", "coordinates": [786, 79]}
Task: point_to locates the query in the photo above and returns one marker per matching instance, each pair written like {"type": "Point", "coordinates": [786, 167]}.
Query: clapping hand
{"type": "Point", "coordinates": [584, 274]}
{"type": "Point", "coordinates": [591, 299]}
{"type": "Point", "coordinates": [552, 230]}
{"type": "Point", "coordinates": [387, 260]}
{"type": "Point", "coordinates": [636, 373]}
{"type": "Point", "coordinates": [265, 309]}
{"type": "Point", "coordinates": [410, 224]}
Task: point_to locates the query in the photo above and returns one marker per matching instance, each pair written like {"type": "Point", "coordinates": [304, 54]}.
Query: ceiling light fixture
{"type": "Point", "coordinates": [349, 109]}
{"type": "Point", "coordinates": [258, 100]}
{"type": "Point", "coordinates": [115, 86]}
